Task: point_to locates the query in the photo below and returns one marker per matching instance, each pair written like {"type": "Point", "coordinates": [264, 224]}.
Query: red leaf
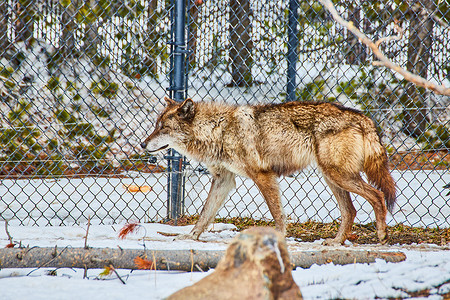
{"type": "Point", "coordinates": [127, 229]}
{"type": "Point", "coordinates": [143, 263]}
{"type": "Point", "coordinates": [352, 237]}
{"type": "Point", "coordinates": [10, 245]}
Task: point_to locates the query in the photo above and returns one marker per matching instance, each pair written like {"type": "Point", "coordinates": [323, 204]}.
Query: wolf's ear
{"type": "Point", "coordinates": [170, 101]}
{"type": "Point", "coordinates": [187, 109]}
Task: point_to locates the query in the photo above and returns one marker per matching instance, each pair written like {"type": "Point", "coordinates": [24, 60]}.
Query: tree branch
{"type": "Point", "coordinates": [391, 37]}
{"type": "Point", "coordinates": [87, 233]}
{"type": "Point", "coordinates": [117, 274]}
{"type": "Point", "coordinates": [383, 60]}
{"type": "Point", "coordinates": [7, 233]}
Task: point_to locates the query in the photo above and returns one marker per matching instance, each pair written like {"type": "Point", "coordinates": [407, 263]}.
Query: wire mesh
{"type": "Point", "coordinates": [81, 84]}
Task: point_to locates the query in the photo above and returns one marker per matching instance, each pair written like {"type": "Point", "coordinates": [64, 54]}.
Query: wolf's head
{"type": "Point", "coordinates": [171, 125]}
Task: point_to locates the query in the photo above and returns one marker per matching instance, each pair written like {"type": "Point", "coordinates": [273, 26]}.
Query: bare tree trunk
{"type": "Point", "coordinates": [193, 26]}
{"type": "Point", "coordinates": [241, 43]}
{"type": "Point", "coordinates": [91, 39]}
{"type": "Point", "coordinates": [91, 36]}
{"type": "Point", "coordinates": [151, 43]}
{"type": "Point", "coordinates": [355, 50]}
{"type": "Point", "coordinates": [25, 20]}
{"type": "Point", "coordinates": [69, 25]}
{"type": "Point", "coordinates": [419, 53]}
{"type": "Point", "coordinates": [4, 16]}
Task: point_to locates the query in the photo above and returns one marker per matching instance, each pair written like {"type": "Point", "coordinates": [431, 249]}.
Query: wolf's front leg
{"type": "Point", "coordinates": [267, 183]}
{"type": "Point", "coordinates": [223, 182]}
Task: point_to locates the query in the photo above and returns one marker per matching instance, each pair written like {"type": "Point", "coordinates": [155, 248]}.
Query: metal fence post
{"type": "Point", "coordinates": [178, 93]}
{"type": "Point", "coordinates": [292, 56]}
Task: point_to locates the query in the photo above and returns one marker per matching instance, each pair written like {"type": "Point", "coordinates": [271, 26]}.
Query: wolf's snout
{"type": "Point", "coordinates": [144, 145]}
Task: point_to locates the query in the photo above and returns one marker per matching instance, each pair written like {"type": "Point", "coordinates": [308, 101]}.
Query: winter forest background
{"type": "Point", "coordinates": [81, 83]}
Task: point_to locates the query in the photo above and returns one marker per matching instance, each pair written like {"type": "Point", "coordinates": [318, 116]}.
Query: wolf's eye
{"type": "Point", "coordinates": [164, 128]}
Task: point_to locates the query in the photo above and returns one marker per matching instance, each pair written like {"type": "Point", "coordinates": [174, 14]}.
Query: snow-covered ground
{"type": "Point", "coordinates": [426, 267]}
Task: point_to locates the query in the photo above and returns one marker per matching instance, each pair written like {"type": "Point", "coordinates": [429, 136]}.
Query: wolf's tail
{"type": "Point", "coordinates": [376, 165]}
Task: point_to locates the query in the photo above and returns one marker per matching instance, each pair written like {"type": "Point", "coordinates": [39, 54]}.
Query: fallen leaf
{"type": "Point", "coordinates": [106, 271]}
{"type": "Point", "coordinates": [133, 188]}
{"type": "Point", "coordinates": [143, 263]}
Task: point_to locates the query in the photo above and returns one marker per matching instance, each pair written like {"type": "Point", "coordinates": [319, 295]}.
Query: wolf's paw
{"type": "Point", "coordinates": [383, 235]}
{"type": "Point", "coordinates": [384, 239]}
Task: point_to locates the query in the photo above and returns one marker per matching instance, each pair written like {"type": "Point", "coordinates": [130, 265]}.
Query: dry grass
{"type": "Point", "coordinates": [420, 160]}
{"type": "Point", "coordinates": [361, 234]}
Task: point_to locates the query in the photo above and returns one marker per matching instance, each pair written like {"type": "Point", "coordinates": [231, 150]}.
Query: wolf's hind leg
{"type": "Point", "coordinates": [341, 159]}
{"type": "Point", "coordinates": [376, 199]}
{"type": "Point", "coordinates": [355, 184]}
{"type": "Point", "coordinates": [348, 213]}
{"type": "Point", "coordinates": [267, 183]}
{"type": "Point", "coordinates": [223, 182]}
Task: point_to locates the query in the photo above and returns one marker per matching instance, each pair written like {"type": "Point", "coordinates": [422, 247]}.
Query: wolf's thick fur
{"type": "Point", "coordinates": [263, 142]}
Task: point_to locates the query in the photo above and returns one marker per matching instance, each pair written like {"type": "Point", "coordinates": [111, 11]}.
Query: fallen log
{"type": "Point", "coordinates": [185, 260]}
{"type": "Point", "coordinates": [306, 259]}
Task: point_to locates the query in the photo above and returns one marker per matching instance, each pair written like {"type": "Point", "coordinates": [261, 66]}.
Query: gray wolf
{"type": "Point", "coordinates": [256, 265]}
{"type": "Point", "coordinates": [263, 142]}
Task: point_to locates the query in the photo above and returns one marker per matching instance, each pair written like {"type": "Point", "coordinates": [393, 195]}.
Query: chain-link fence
{"type": "Point", "coordinates": [81, 83]}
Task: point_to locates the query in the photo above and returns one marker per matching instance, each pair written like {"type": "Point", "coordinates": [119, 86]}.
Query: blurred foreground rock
{"type": "Point", "coordinates": [256, 266]}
